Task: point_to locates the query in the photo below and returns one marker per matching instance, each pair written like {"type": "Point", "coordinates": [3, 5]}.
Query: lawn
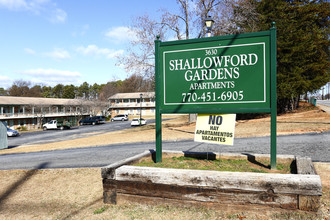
{"type": "Point", "coordinates": [232, 165]}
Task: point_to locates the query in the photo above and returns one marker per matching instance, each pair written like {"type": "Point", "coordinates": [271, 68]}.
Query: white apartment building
{"type": "Point", "coordinates": [132, 103]}
{"type": "Point", "coordinates": [31, 112]}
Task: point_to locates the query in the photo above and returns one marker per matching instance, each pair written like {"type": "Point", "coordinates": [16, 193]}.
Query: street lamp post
{"type": "Point", "coordinates": [140, 107]}
{"type": "Point", "coordinates": [209, 23]}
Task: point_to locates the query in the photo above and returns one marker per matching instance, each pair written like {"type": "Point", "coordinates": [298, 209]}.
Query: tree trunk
{"type": "Point", "coordinates": [297, 101]}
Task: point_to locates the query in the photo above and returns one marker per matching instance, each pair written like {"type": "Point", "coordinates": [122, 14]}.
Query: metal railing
{"type": "Point", "coordinates": [38, 114]}
{"type": "Point", "coordinates": [144, 104]}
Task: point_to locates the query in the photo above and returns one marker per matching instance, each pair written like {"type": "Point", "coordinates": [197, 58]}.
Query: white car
{"type": "Point", "coordinates": [137, 122]}
{"type": "Point", "coordinates": [120, 118]}
{"type": "Point", "coordinates": [11, 132]}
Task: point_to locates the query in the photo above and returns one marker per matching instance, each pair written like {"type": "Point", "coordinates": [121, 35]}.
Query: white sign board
{"type": "Point", "coordinates": [215, 128]}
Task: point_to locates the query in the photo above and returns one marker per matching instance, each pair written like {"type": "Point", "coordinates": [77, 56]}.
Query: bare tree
{"type": "Point", "coordinates": [188, 23]}
{"type": "Point", "coordinates": [97, 107]}
{"type": "Point", "coordinates": [136, 83]}
{"type": "Point", "coordinates": [244, 15]}
{"type": "Point", "coordinates": [78, 108]}
{"type": "Point", "coordinates": [110, 89]}
{"type": "Point", "coordinates": [174, 26]}
{"type": "Point", "coordinates": [38, 111]}
{"type": "Point", "coordinates": [139, 58]}
{"type": "Point", "coordinates": [20, 88]}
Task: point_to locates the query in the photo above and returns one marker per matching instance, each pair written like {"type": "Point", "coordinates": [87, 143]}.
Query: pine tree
{"type": "Point", "coordinates": [302, 46]}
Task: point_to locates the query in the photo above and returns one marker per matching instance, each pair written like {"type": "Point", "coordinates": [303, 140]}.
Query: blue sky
{"type": "Point", "coordinates": [67, 41]}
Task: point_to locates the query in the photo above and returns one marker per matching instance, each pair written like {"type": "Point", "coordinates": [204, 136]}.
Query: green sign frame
{"type": "Point", "coordinates": [233, 75]}
{"type": "Point", "coordinates": [225, 74]}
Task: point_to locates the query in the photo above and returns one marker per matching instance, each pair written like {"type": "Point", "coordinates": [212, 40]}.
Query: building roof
{"type": "Point", "coordinates": [133, 95]}
{"type": "Point", "coordinates": [33, 101]}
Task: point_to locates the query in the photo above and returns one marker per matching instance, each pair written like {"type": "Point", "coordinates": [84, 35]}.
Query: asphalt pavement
{"type": "Point", "coordinates": [324, 105]}
{"type": "Point", "coordinates": [323, 102]}
{"type": "Point", "coordinates": [314, 145]}
{"type": "Point", "coordinates": [50, 136]}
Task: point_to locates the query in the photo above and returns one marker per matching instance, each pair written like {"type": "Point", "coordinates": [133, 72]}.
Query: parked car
{"type": "Point", "coordinates": [92, 120]}
{"type": "Point", "coordinates": [88, 121]}
{"type": "Point", "coordinates": [138, 122]}
{"type": "Point", "coordinates": [101, 119]}
{"type": "Point", "coordinates": [120, 118]}
{"type": "Point", "coordinates": [12, 133]}
{"type": "Point", "coordinates": [57, 124]}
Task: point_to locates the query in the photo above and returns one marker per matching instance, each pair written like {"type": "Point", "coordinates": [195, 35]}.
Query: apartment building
{"type": "Point", "coordinates": [32, 112]}
{"type": "Point", "coordinates": [132, 103]}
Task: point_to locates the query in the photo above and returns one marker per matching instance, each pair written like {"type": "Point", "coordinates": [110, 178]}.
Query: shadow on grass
{"type": "Point", "coordinates": [200, 155]}
{"type": "Point", "coordinates": [19, 183]}
{"type": "Point", "coordinates": [252, 159]}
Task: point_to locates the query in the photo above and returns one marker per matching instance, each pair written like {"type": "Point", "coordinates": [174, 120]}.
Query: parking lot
{"type": "Point", "coordinates": [49, 136]}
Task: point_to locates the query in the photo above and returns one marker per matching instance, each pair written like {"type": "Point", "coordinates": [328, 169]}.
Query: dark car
{"type": "Point", "coordinates": [101, 119]}
{"type": "Point", "coordinates": [92, 120]}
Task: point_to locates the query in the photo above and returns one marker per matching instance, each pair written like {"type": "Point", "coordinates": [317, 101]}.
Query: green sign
{"type": "Point", "coordinates": [226, 74]}
{"type": "Point", "coordinates": [230, 73]}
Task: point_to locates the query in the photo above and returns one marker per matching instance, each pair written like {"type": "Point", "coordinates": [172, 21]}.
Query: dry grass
{"type": "Point", "coordinates": [54, 194]}
{"type": "Point", "coordinates": [232, 165]}
{"type": "Point", "coordinates": [301, 122]}
{"type": "Point", "coordinates": [323, 169]}
{"type": "Point", "coordinates": [77, 194]}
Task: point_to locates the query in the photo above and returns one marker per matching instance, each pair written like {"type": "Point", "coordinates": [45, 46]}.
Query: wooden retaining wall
{"type": "Point", "coordinates": [211, 188]}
